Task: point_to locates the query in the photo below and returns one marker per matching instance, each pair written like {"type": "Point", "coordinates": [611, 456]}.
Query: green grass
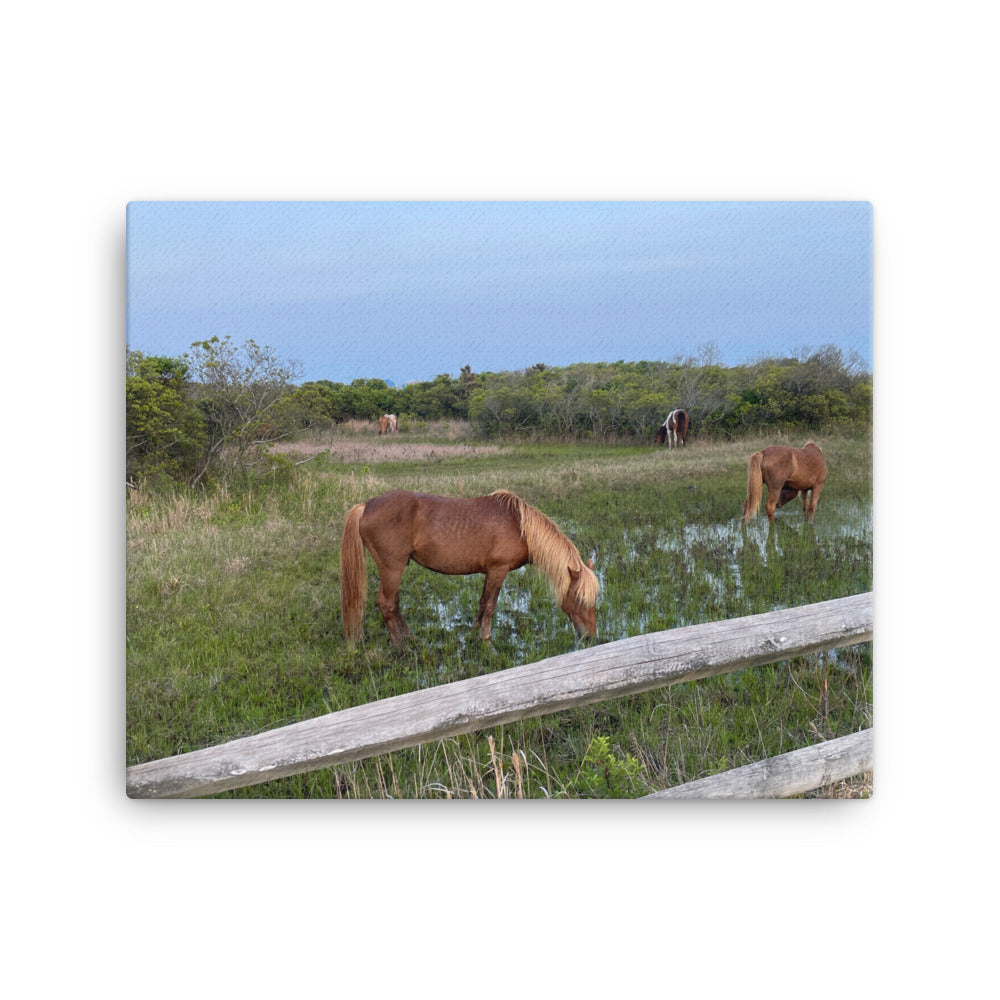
{"type": "Point", "coordinates": [233, 623]}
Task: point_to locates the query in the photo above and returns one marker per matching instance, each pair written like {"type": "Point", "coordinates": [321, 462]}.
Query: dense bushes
{"type": "Point", "coordinates": [209, 413]}
{"type": "Point", "coordinates": [214, 411]}
{"type": "Point", "coordinates": [165, 433]}
{"type": "Point", "coordinates": [619, 399]}
{"type": "Point", "coordinates": [444, 398]}
{"type": "Point", "coordinates": [632, 399]}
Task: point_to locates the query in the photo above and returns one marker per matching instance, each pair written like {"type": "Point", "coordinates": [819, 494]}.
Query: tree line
{"type": "Point", "coordinates": [213, 410]}
{"type": "Point", "coordinates": [631, 399]}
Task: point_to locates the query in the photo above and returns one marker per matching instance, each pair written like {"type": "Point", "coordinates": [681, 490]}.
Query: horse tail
{"type": "Point", "coordinates": [755, 484]}
{"type": "Point", "coordinates": [353, 574]}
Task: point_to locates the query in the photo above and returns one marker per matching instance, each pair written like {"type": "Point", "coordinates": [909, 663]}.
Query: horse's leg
{"type": "Point", "coordinates": [388, 604]}
{"type": "Point", "coordinates": [488, 602]}
{"type": "Point", "coordinates": [773, 498]}
{"type": "Point", "coordinates": [813, 501]}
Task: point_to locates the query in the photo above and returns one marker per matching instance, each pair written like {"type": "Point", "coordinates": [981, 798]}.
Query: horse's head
{"type": "Point", "coordinates": [580, 602]}
{"type": "Point", "coordinates": [661, 434]}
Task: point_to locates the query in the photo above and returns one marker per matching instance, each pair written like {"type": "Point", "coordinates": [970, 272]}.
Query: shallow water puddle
{"type": "Point", "coordinates": [660, 577]}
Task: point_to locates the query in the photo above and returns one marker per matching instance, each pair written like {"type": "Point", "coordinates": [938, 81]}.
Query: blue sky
{"type": "Point", "coordinates": [410, 290]}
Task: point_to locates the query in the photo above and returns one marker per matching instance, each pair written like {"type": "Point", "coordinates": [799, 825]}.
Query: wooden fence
{"type": "Point", "coordinates": [788, 774]}
{"type": "Point", "coordinates": [599, 673]}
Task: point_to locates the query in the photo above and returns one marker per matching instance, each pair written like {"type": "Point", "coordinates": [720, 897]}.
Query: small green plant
{"type": "Point", "coordinates": [605, 776]}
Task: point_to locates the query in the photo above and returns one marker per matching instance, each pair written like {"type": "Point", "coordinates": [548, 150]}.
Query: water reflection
{"type": "Point", "coordinates": [705, 572]}
{"type": "Point", "coordinates": [662, 576]}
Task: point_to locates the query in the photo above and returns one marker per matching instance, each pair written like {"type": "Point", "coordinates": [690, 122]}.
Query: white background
{"type": "Point", "coordinates": [109, 102]}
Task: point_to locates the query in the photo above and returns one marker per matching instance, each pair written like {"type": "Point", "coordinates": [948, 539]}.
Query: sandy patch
{"type": "Point", "coordinates": [367, 453]}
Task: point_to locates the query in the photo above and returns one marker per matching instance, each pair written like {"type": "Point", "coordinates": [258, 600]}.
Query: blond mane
{"type": "Point", "coordinates": [551, 551]}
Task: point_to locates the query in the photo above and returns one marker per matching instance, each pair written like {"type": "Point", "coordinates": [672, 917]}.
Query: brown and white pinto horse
{"type": "Point", "coordinates": [388, 424]}
{"type": "Point", "coordinates": [674, 429]}
{"type": "Point", "coordinates": [492, 535]}
{"type": "Point", "coordinates": [787, 473]}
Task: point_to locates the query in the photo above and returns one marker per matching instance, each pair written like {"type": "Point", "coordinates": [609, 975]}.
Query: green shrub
{"type": "Point", "coordinates": [605, 776]}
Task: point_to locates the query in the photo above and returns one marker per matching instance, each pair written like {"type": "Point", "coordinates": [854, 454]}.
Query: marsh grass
{"type": "Point", "coordinates": [233, 622]}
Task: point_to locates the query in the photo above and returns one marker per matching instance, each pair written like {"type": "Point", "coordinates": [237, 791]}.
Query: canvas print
{"type": "Point", "coordinates": [499, 500]}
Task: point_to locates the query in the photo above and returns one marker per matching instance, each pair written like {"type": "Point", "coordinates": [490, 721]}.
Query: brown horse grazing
{"type": "Point", "coordinates": [674, 430]}
{"type": "Point", "coordinates": [492, 535]}
{"type": "Point", "coordinates": [388, 424]}
{"type": "Point", "coordinates": [787, 473]}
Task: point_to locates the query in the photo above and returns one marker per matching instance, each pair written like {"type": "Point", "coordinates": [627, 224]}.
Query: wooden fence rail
{"type": "Point", "coordinates": [788, 774]}
{"type": "Point", "coordinates": [599, 673]}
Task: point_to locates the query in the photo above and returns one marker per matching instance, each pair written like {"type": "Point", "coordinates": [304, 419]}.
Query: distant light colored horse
{"type": "Point", "coordinates": [674, 429]}
{"type": "Point", "coordinates": [388, 424]}
{"type": "Point", "coordinates": [787, 473]}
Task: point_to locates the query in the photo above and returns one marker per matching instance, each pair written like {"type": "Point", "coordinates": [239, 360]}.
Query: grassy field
{"type": "Point", "coordinates": [233, 622]}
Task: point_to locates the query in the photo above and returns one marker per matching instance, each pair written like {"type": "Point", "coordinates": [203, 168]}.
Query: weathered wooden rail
{"type": "Point", "coordinates": [788, 774]}
{"type": "Point", "coordinates": [599, 673]}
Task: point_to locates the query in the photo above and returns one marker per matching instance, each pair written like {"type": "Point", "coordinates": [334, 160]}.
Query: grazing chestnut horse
{"type": "Point", "coordinates": [492, 535]}
{"type": "Point", "coordinates": [787, 473]}
{"type": "Point", "coordinates": [388, 424]}
{"type": "Point", "coordinates": [674, 429]}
